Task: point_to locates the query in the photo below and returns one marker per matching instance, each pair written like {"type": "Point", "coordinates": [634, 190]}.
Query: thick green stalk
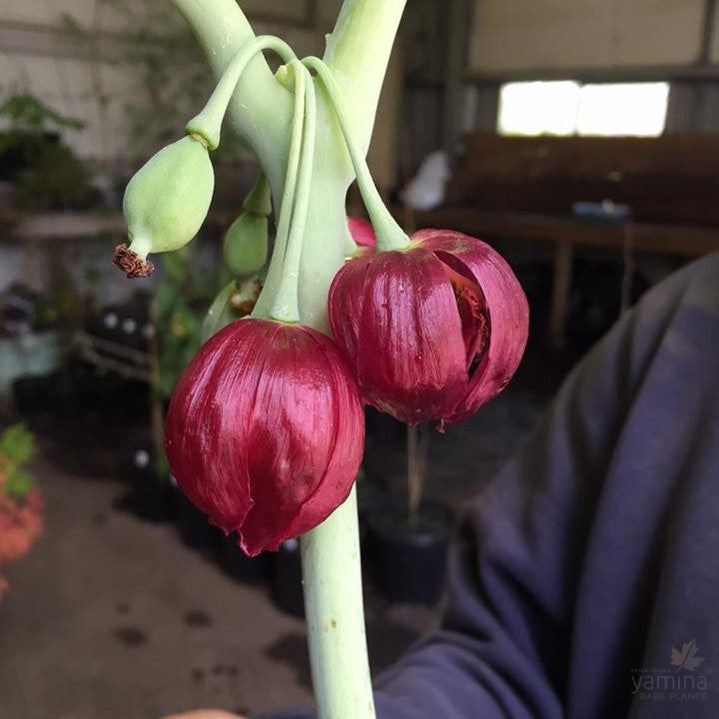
{"type": "Point", "coordinates": [335, 616]}
{"type": "Point", "coordinates": [261, 108]}
{"type": "Point", "coordinates": [357, 52]}
{"type": "Point", "coordinates": [390, 236]}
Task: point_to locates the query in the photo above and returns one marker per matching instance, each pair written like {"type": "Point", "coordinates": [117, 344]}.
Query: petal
{"type": "Point", "coordinates": [305, 439]}
{"type": "Point", "coordinates": [473, 314]}
{"type": "Point", "coordinates": [206, 425]}
{"type": "Point", "coordinates": [410, 356]}
{"type": "Point", "coordinates": [345, 302]}
{"type": "Point", "coordinates": [506, 304]}
{"type": "Point", "coordinates": [362, 231]}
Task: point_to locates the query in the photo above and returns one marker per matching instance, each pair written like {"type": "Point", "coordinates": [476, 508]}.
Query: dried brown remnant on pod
{"type": "Point", "coordinates": [244, 304]}
{"type": "Point", "coordinates": [130, 263]}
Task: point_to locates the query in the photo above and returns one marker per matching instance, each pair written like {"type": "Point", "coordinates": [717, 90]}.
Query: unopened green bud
{"type": "Point", "coordinates": [165, 203]}
{"type": "Point", "coordinates": [245, 249]}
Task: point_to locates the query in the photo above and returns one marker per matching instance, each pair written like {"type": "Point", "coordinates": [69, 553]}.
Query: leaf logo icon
{"type": "Point", "coordinates": [687, 658]}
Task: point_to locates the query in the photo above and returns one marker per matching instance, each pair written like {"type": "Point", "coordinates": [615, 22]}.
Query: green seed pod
{"type": "Point", "coordinates": [245, 249]}
{"type": "Point", "coordinates": [165, 203]}
{"type": "Point", "coordinates": [246, 242]}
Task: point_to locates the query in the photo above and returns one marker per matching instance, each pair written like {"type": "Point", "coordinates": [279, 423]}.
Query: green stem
{"type": "Point", "coordinates": [285, 306]}
{"type": "Point", "coordinates": [261, 109]}
{"type": "Point", "coordinates": [335, 617]}
{"type": "Point", "coordinates": [358, 51]}
{"type": "Point", "coordinates": [265, 302]}
{"type": "Point", "coordinates": [390, 236]}
{"type": "Point", "coordinates": [207, 124]}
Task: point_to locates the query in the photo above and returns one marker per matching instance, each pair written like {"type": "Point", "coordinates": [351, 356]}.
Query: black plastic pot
{"type": "Point", "coordinates": [286, 583]}
{"type": "Point", "coordinates": [384, 445]}
{"type": "Point", "coordinates": [35, 395]}
{"type": "Point", "coordinates": [371, 497]}
{"type": "Point", "coordinates": [239, 566]}
{"type": "Point", "coordinates": [410, 557]}
{"type": "Point", "coordinates": [152, 498]}
{"type": "Point", "coordinates": [107, 393]}
{"type": "Point", "coordinates": [194, 527]}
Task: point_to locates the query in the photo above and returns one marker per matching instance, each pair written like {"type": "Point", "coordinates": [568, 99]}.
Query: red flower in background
{"type": "Point", "coordinates": [362, 231]}
{"type": "Point", "coordinates": [433, 331]}
{"type": "Point", "coordinates": [21, 525]}
{"type": "Point", "coordinates": [265, 431]}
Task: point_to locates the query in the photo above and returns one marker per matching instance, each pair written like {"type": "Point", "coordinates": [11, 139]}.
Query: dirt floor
{"type": "Point", "coordinates": [112, 617]}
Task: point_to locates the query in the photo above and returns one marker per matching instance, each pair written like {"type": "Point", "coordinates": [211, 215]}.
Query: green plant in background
{"type": "Point", "coordinates": [56, 179]}
{"type": "Point", "coordinates": [177, 309]}
{"type": "Point", "coordinates": [168, 74]}
{"type": "Point", "coordinates": [27, 115]}
{"type": "Point", "coordinates": [47, 174]}
{"type": "Point", "coordinates": [17, 446]}
{"type": "Point", "coordinates": [179, 303]}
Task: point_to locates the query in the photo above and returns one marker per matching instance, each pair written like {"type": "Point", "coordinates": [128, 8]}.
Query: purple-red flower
{"type": "Point", "coordinates": [265, 431]}
{"type": "Point", "coordinates": [433, 331]}
{"type": "Point", "coordinates": [362, 231]}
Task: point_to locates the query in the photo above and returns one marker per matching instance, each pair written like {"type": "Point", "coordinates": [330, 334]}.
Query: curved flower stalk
{"type": "Point", "coordinates": [389, 235]}
{"type": "Point", "coordinates": [167, 200]}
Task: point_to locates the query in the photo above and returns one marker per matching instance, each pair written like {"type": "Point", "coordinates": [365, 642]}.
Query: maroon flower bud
{"type": "Point", "coordinates": [433, 331]}
{"type": "Point", "coordinates": [362, 231]}
{"type": "Point", "coordinates": [265, 431]}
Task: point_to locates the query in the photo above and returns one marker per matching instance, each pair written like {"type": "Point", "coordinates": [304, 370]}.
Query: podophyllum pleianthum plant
{"type": "Point", "coordinates": [265, 429]}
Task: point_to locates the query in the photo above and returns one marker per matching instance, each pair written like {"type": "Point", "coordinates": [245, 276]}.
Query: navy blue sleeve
{"type": "Point", "coordinates": [565, 578]}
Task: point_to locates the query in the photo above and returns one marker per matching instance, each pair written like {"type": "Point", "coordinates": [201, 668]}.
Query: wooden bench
{"type": "Point", "coordinates": [520, 188]}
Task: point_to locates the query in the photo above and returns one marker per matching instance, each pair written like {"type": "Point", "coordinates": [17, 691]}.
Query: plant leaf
{"type": "Point", "coordinates": [19, 483]}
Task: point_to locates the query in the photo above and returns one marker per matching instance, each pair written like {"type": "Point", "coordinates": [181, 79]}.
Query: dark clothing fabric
{"type": "Point", "coordinates": [595, 552]}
